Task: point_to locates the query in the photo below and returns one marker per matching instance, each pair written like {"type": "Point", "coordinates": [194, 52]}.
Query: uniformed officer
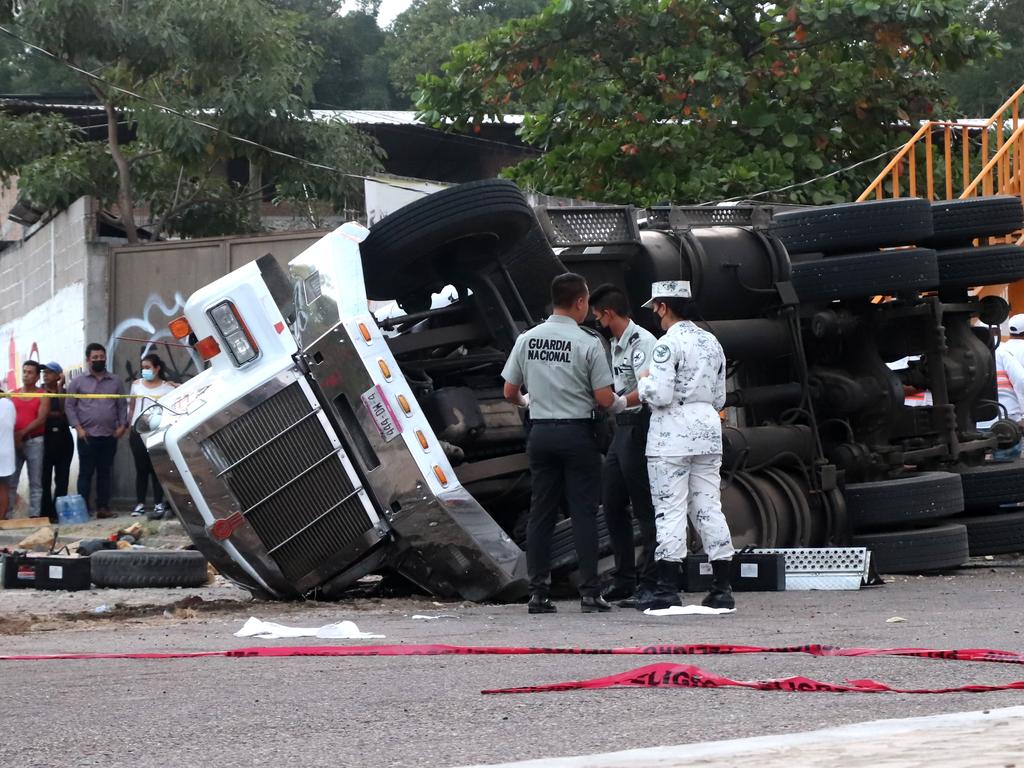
{"type": "Point", "coordinates": [565, 370]}
{"type": "Point", "coordinates": [624, 479]}
{"type": "Point", "coordinates": [685, 389]}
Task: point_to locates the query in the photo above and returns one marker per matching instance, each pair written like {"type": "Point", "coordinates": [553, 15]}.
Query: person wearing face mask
{"type": "Point", "coordinates": [685, 389]}
{"type": "Point", "coordinates": [625, 489]}
{"type": "Point", "coordinates": [147, 390]}
{"type": "Point", "coordinates": [99, 424]}
{"type": "Point", "coordinates": [565, 370]}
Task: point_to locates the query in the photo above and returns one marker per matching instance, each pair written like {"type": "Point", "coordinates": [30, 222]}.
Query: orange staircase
{"type": "Point", "coordinates": [949, 159]}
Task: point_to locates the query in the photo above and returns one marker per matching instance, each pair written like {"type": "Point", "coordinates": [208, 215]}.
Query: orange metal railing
{"type": "Point", "coordinates": [949, 159]}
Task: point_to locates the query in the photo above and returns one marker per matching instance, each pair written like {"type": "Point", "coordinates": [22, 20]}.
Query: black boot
{"type": "Point", "coordinates": [720, 595]}
{"type": "Point", "coordinates": [666, 592]}
{"type": "Point", "coordinates": [594, 604]}
{"type": "Point", "coordinates": [540, 603]}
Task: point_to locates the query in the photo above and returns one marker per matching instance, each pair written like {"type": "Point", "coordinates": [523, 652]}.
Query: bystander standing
{"type": "Point", "coordinates": [29, 425]}
{"type": "Point", "coordinates": [99, 423]}
{"type": "Point", "coordinates": [58, 444]}
{"type": "Point", "coordinates": [7, 416]}
{"type": "Point", "coordinates": [146, 390]}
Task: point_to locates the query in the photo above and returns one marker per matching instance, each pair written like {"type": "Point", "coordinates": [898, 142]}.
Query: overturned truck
{"type": "Point", "coordinates": [322, 444]}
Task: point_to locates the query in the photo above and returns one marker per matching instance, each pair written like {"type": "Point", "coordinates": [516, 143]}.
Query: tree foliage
{"type": "Point", "coordinates": [642, 100]}
{"type": "Point", "coordinates": [232, 67]}
{"type": "Point", "coordinates": [423, 36]}
{"type": "Point", "coordinates": [982, 86]}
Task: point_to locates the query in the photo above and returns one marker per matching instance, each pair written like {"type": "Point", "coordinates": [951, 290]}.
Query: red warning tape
{"type": "Point", "coordinates": [688, 676]}
{"type": "Point", "coordinates": [707, 649]}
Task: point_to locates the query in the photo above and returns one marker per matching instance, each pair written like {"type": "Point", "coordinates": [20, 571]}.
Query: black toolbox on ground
{"type": "Point", "coordinates": [21, 571]}
{"type": "Point", "coordinates": [750, 573]}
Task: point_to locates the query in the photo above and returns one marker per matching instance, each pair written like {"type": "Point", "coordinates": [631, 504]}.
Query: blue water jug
{"type": "Point", "coordinates": [71, 510]}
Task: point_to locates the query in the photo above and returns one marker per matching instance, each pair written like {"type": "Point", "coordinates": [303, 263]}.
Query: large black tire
{"type": "Point", "coordinates": [927, 549]}
{"type": "Point", "coordinates": [905, 501]}
{"type": "Point", "coordinates": [855, 226]}
{"type": "Point", "coordinates": [861, 275]}
{"type": "Point", "coordinates": [135, 568]}
{"type": "Point", "coordinates": [958, 222]}
{"type": "Point", "coordinates": [995, 534]}
{"type": "Point", "coordinates": [989, 265]}
{"type": "Point", "coordinates": [990, 485]}
{"type": "Point", "coordinates": [532, 266]}
{"type": "Point", "coordinates": [404, 251]}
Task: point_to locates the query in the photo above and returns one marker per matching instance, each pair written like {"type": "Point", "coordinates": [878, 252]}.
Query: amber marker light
{"type": "Point", "coordinates": [423, 440]}
{"type": "Point", "coordinates": [384, 369]}
{"type": "Point", "coordinates": [439, 473]}
{"type": "Point", "coordinates": [365, 333]}
{"type": "Point", "coordinates": [403, 403]}
{"type": "Point", "coordinates": [179, 327]}
{"type": "Point", "coordinates": [208, 348]}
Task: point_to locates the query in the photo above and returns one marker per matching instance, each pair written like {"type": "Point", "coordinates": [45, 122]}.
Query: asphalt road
{"type": "Point", "coordinates": [428, 711]}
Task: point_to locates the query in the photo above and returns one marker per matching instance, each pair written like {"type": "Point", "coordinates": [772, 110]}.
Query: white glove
{"type": "Point", "coordinates": [618, 405]}
{"type": "Point", "coordinates": [526, 401]}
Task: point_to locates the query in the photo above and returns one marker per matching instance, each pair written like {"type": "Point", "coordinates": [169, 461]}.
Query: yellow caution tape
{"type": "Point", "coordinates": [80, 396]}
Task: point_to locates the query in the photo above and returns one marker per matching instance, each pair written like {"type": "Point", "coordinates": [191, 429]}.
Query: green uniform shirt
{"type": "Point", "coordinates": [561, 365]}
{"type": "Point", "coordinates": [631, 355]}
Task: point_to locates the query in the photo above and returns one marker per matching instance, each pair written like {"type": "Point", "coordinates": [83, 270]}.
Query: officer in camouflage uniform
{"type": "Point", "coordinates": [624, 479]}
{"type": "Point", "coordinates": [565, 370]}
{"type": "Point", "coordinates": [685, 390]}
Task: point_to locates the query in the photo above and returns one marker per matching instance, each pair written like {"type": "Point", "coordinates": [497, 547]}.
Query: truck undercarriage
{"type": "Point", "coordinates": [349, 445]}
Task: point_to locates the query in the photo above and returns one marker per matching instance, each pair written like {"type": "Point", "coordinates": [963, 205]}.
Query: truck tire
{"type": "Point", "coordinates": [958, 222]}
{"type": "Point", "coordinates": [400, 254]}
{"type": "Point", "coordinates": [988, 265]}
{"type": "Point", "coordinates": [990, 485]}
{"type": "Point", "coordinates": [995, 534]}
{"type": "Point", "coordinates": [904, 501]}
{"type": "Point", "coordinates": [134, 568]}
{"type": "Point", "coordinates": [854, 226]}
{"type": "Point", "coordinates": [532, 265]}
{"type": "Point", "coordinates": [927, 549]}
{"type": "Point", "coordinates": [861, 275]}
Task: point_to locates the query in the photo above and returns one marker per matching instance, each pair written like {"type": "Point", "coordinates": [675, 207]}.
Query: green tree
{"type": "Point", "coordinates": [424, 35]}
{"type": "Point", "coordinates": [982, 86]}
{"type": "Point", "coordinates": [238, 67]}
{"type": "Point", "coordinates": [641, 100]}
{"type": "Point", "coordinates": [354, 71]}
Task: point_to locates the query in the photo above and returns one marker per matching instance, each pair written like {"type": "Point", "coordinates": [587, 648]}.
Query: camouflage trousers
{"type": "Point", "coordinates": [688, 487]}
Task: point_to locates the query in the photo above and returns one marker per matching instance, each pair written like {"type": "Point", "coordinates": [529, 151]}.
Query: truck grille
{"type": "Point", "coordinates": [293, 489]}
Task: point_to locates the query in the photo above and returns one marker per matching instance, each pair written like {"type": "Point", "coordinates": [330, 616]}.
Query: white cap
{"type": "Point", "coordinates": [1017, 324]}
{"type": "Point", "coordinates": [672, 289]}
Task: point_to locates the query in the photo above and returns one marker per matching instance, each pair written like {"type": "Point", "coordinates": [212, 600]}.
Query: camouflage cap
{"type": "Point", "coordinates": [669, 289]}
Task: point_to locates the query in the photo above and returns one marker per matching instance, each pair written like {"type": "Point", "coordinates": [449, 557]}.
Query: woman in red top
{"type": "Point", "coordinates": [29, 426]}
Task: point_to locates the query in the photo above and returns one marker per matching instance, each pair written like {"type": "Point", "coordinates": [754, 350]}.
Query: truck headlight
{"type": "Point", "coordinates": [233, 330]}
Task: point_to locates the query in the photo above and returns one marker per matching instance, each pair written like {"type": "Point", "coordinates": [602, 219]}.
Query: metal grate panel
{"type": "Point", "coordinates": [825, 568]}
{"type": "Point", "coordinates": [590, 226]}
{"type": "Point", "coordinates": [288, 478]}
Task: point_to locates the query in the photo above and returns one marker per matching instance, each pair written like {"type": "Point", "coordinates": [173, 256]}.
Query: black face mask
{"type": "Point", "coordinates": [98, 366]}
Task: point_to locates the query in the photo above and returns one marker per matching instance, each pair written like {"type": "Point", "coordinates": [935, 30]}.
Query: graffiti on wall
{"type": "Point", "coordinates": [52, 332]}
{"type": "Point", "coordinates": [135, 337]}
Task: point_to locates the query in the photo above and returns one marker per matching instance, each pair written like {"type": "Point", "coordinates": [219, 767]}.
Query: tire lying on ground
{"type": "Point", "coordinates": [135, 568]}
{"type": "Point", "coordinates": [854, 226]}
{"type": "Point", "coordinates": [904, 501]}
{"type": "Point", "coordinates": [958, 222]}
{"type": "Point", "coordinates": [997, 534]}
{"type": "Point", "coordinates": [404, 250]}
{"type": "Point", "coordinates": [988, 265]}
{"type": "Point", "coordinates": [926, 549]}
{"type": "Point", "coordinates": [989, 485]}
{"type": "Point", "coordinates": [861, 275]}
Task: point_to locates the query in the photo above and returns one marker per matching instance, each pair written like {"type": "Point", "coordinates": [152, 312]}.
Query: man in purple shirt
{"type": "Point", "coordinates": [99, 423]}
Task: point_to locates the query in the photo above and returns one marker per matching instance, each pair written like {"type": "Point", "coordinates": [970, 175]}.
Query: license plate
{"type": "Point", "coordinates": [377, 404]}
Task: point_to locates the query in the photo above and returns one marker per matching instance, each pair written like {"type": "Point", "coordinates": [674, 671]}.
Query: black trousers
{"type": "Point", "coordinates": [144, 473]}
{"type": "Point", "coordinates": [565, 466]}
{"type": "Point", "coordinates": [58, 450]}
{"type": "Point", "coordinates": [624, 480]}
{"type": "Point", "coordinates": [96, 458]}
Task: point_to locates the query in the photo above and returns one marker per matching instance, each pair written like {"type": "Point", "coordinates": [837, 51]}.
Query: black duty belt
{"type": "Point", "coordinates": [562, 421]}
{"type": "Point", "coordinates": [632, 419]}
